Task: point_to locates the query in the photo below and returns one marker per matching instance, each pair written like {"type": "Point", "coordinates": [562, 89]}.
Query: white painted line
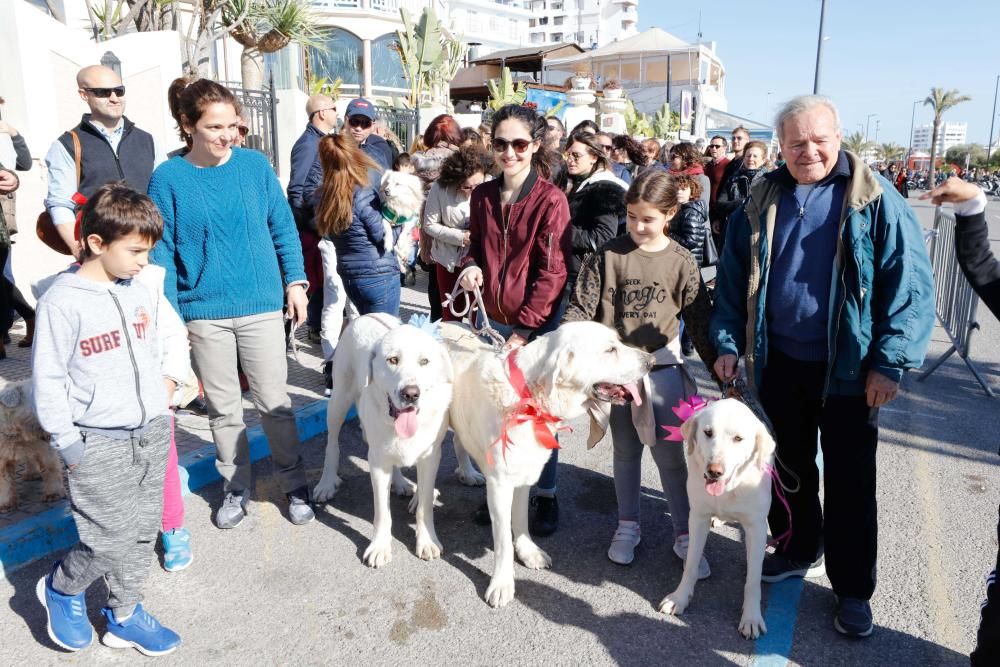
{"type": "Point", "coordinates": [894, 411]}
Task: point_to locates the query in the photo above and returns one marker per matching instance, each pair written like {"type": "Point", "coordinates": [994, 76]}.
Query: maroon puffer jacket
{"type": "Point", "coordinates": [523, 259]}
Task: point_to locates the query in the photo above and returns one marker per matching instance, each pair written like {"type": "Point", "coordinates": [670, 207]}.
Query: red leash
{"type": "Point", "coordinates": [525, 410]}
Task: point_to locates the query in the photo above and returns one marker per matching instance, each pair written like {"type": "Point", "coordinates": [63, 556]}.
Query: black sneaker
{"type": "Point", "coordinates": [481, 517]}
{"type": "Point", "coordinates": [545, 519]}
{"type": "Point", "coordinates": [778, 568]}
{"type": "Point", "coordinates": [328, 377]}
{"type": "Point", "coordinates": [300, 512]}
{"type": "Point", "coordinates": [854, 617]}
{"type": "Point", "coordinates": [313, 336]}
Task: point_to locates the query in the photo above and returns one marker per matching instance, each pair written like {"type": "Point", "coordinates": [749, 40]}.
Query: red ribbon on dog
{"type": "Point", "coordinates": [525, 410]}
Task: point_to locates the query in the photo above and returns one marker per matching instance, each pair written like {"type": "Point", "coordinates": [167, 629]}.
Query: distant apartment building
{"type": "Point", "coordinates": [949, 134]}
{"type": "Point", "coordinates": [589, 23]}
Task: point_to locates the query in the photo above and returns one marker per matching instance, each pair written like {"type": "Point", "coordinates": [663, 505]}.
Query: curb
{"type": "Point", "coordinates": [53, 530]}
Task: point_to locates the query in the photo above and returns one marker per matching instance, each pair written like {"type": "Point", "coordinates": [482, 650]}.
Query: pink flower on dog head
{"type": "Point", "coordinates": [684, 411]}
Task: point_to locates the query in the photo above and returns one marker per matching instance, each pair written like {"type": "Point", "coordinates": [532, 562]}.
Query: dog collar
{"type": "Point", "coordinates": [395, 219]}
{"type": "Point", "coordinates": [525, 410]}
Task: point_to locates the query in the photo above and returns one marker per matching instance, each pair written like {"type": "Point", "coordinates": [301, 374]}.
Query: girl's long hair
{"type": "Point", "coordinates": [345, 166]}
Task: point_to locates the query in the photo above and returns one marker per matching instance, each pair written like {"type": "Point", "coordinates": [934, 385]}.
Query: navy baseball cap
{"type": "Point", "coordinates": [360, 107]}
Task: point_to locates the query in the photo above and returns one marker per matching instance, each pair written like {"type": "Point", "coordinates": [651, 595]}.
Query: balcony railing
{"type": "Point", "coordinates": [380, 6]}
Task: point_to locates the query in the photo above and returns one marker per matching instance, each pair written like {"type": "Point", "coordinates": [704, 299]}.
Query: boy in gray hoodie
{"type": "Point", "coordinates": [101, 390]}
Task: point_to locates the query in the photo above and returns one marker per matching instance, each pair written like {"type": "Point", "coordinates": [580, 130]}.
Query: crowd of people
{"type": "Point", "coordinates": [188, 268]}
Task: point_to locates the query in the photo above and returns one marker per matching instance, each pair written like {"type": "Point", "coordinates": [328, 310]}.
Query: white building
{"type": "Point", "coordinates": [492, 25]}
{"type": "Point", "coordinates": [589, 23]}
{"type": "Point", "coordinates": [949, 134]}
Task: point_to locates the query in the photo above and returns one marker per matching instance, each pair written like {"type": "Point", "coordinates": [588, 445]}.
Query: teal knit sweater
{"type": "Point", "coordinates": [229, 242]}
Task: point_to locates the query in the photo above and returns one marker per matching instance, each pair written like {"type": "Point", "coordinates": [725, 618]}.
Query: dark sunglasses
{"type": "Point", "coordinates": [519, 145]}
{"type": "Point", "coordinates": [607, 147]}
{"type": "Point", "coordinates": [716, 146]}
{"type": "Point", "coordinates": [359, 121]}
{"type": "Point", "coordinates": [106, 92]}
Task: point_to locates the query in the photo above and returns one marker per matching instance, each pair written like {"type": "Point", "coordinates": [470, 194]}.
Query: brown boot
{"type": "Point", "coordinates": [29, 334]}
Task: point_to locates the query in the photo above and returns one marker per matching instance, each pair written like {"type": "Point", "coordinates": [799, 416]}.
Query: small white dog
{"type": "Point", "coordinates": [402, 197]}
{"type": "Point", "coordinates": [22, 438]}
{"type": "Point", "coordinates": [564, 372]}
{"type": "Point", "coordinates": [729, 452]}
{"type": "Point", "coordinates": [400, 378]}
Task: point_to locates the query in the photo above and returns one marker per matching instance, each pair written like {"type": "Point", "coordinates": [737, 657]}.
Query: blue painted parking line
{"type": "Point", "coordinates": [53, 530]}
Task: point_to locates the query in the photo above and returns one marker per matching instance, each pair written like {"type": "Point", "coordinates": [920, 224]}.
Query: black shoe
{"type": "Point", "coordinates": [411, 277]}
{"type": "Point", "coordinates": [778, 568]}
{"type": "Point", "coordinates": [328, 377]}
{"type": "Point", "coordinates": [402, 280]}
{"type": "Point", "coordinates": [854, 617]}
{"type": "Point", "coordinates": [545, 519]}
{"type": "Point", "coordinates": [481, 517]}
{"type": "Point", "coordinates": [197, 406]}
{"type": "Point", "coordinates": [313, 336]}
{"type": "Point", "coordinates": [687, 350]}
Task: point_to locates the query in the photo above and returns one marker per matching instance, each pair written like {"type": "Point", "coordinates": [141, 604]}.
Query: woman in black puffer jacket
{"type": "Point", "coordinates": [690, 225]}
{"type": "Point", "coordinates": [596, 200]}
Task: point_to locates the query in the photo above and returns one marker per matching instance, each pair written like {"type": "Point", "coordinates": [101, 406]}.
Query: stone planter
{"type": "Point", "coordinates": [613, 93]}
{"type": "Point", "coordinates": [581, 82]}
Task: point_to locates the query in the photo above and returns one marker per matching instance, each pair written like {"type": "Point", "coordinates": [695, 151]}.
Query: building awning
{"type": "Point", "coordinates": [652, 42]}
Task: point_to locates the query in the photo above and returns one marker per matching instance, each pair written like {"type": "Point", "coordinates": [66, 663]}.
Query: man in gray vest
{"type": "Point", "coordinates": [112, 148]}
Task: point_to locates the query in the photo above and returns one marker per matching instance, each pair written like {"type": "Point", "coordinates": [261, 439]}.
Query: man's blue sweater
{"type": "Point", "coordinates": [804, 250]}
{"type": "Point", "coordinates": [229, 243]}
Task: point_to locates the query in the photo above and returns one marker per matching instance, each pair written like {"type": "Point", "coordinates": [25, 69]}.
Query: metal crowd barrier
{"type": "Point", "coordinates": [955, 300]}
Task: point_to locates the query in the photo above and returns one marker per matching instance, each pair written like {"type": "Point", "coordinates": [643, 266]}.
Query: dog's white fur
{"type": "Point", "coordinates": [22, 438]}
{"type": "Point", "coordinates": [378, 360]}
{"type": "Point", "coordinates": [727, 434]}
{"type": "Point", "coordinates": [560, 369]}
{"type": "Point", "coordinates": [404, 194]}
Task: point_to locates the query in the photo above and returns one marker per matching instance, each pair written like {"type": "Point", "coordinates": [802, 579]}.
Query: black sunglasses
{"type": "Point", "coordinates": [106, 92]}
{"type": "Point", "coordinates": [359, 121]}
{"type": "Point", "coordinates": [519, 145]}
{"type": "Point", "coordinates": [716, 146]}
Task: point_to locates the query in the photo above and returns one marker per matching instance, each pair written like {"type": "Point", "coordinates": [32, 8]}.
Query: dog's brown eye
{"type": "Point", "coordinates": [709, 432]}
{"type": "Point", "coordinates": [738, 438]}
{"type": "Point", "coordinates": [611, 350]}
{"type": "Point", "coordinates": [392, 361]}
{"type": "Point", "coordinates": [424, 362]}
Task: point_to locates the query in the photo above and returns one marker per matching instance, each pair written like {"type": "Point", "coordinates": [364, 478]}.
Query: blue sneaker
{"type": "Point", "coordinates": [176, 549]}
{"type": "Point", "coordinates": [139, 631]}
{"type": "Point", "coordinates": [67, 615]}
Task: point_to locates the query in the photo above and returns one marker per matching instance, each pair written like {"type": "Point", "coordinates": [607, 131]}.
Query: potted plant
{"type": "Point", "coordinates": [613, 89]}
{"type": "Point", "coordinates": [581, 80]}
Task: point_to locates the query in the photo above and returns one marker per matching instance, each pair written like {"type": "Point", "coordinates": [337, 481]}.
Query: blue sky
{"type": "Point", "coordinates": [875, 61]}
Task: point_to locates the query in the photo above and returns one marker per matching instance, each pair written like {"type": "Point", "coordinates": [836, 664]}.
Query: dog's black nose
{"type": "Point", "coordinates": [714, 471]}
{"type": "Point", "coordinates": [410, 393]}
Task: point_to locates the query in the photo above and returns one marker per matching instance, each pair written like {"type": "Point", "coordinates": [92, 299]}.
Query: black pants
{"type": "Point", "coordinates": [988, 645]}
{"type": "Point", "coordinates": [847, 528]}
{"type": "Point", "coordinates": [11, 297]}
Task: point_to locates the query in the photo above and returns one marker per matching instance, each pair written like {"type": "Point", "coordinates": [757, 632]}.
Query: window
{"type": "Point", "coordinates": [558, 20]}
{"type": "Point", "coordinates": [387, 70]}
{"type": "Point", "coordinates": [557, 37]}
{"type": "Point", "coordinates": [543, 21]}
{"type": "Point", "coordinates": [342, 59]}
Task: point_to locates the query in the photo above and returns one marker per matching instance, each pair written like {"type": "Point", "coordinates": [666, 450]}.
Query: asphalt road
{"type": "Point", "coordinates": [272, 593]}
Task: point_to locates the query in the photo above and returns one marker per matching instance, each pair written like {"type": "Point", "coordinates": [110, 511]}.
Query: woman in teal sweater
{"type": "Point", "coordinates": [232, 258]}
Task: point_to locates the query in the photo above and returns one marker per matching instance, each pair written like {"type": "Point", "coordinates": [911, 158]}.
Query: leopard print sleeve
{"type": "Point", "coordinates": [586, 295]}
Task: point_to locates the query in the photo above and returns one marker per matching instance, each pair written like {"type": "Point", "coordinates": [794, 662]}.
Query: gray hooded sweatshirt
{"type": "Point", "coordinates": [96, 360]}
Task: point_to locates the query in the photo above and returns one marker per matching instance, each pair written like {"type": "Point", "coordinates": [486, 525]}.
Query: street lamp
{"type": "Point", "coordinates": [868, 121]}
{"type": "Point", "coordinates": [989, 146]}
{"type": "Point", "coordinates": [877, 123]}
{"type": "Point", "coordinates": [913, 112]}
{"type": "Point", "coordinates": [819, 46]}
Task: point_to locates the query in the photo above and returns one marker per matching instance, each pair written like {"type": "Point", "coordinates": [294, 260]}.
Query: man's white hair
{"type": "Point", "coordinates": [800, 104]}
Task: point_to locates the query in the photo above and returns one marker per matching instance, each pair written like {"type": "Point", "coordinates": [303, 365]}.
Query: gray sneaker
{"type": "Point", "coordinates": [300, 512]}
{"type": "Point", "coordinates": [234, 508]}
{"type": "Point", "coordinates": [778, 568]}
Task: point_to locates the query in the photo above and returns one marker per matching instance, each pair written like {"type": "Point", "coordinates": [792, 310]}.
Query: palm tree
{"type": "Point", "coordinates": [267, 26]}
{"type": "Point", "coordinates": [940, 100]}
{"type": "Point", "coordinates": [856, 143]}
{"type": "Point", "coordinates": [890, 151]}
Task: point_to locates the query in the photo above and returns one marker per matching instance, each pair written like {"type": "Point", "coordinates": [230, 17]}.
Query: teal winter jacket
{"type": "Point", "coordinates": [882, 292]}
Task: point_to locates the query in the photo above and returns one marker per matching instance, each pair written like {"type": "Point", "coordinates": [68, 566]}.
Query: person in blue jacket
{"type": "Point", "coordinates": [826, 290]}
{"type": "Point", "coordinates": [349, 213]}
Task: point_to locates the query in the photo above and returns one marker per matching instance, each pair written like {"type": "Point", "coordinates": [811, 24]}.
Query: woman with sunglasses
{"type": "Point", "coordinates": [596, 201]}
{"type": "Point", "coordinates": [685, 158]}
{"type": "Point", "coordinates": [519, 243]}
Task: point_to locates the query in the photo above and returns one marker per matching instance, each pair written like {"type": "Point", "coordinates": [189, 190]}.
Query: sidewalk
{"type": "Point", "coordinates": [35, 529]}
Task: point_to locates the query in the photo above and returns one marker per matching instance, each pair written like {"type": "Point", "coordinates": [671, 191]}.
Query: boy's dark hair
{"type": "Point", "coordinates": [463, 163]}
{"type": "Point", "coordinates": [402, 160]}
{"type": "Point", "coordinates": [690, 182]}
{"type": "Point", "coordinates": [115, 211]}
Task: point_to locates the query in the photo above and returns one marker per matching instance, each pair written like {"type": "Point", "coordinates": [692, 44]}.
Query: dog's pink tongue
{"type": "Point", "coordinates": [634, 390]}
{"type": "Point", "coordinates": [406, 423]}
{"type": "Point", "coordinates": [715, 488]}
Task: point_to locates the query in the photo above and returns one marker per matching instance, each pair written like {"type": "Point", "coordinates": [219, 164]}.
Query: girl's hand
{"type": "Point", "coordinates": [725, 367]}
{"type": "Point", "coordinates": [297, 303]}
{"type": "Point", "coordinates": [513, 342]}
{"type": "Point", "coordinates": [472, 279]}
{"type": "Point", "coordinates": [466, 239]}
{"type": "Point", "coordinates": [171, 388]}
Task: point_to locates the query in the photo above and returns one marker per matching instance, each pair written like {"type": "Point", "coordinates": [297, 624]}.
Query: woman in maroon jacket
{"type": "Point", "coordinates": [520, 242]}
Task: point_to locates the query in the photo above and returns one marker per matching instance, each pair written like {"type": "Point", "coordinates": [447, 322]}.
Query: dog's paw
{"type": "Point", "coordinates": [500, 591]}
{"type": "Point", "coordinates": [428, 548]}
{"type": "Point", "coordinates": [532, 557]}
{"type": "Point", "coordinates": [414, 501]}
{"type": "Point", "coordinates": [401, 486]}
{"type": "Point", "coordinates": [752, 625]}
{"type": "Point", "coordinates": [327, 488]}
{"type": "Point", "coordinates": [378, 553]}
{"type": "Point", "coordinates": [675, 603]}
{"type": "Point", "coordinates": [470, 477]}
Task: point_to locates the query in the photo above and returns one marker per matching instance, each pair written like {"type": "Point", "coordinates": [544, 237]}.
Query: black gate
{"type": "Point", "coordinates": [260, 116]}
{"type": "Point", "coordinates": [403, 123]}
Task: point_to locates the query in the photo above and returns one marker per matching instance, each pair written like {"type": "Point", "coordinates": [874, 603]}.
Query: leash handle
{"type": "Point", "coordinates": [450, 302]}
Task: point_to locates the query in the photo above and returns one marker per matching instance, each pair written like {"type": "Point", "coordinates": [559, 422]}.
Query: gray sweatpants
{"type": "Point", "coordinates": [116, 495]}
{"type": "Point", "coordinates": [668, 388]}
{"type": "Point", "coordinates": [259, 341]}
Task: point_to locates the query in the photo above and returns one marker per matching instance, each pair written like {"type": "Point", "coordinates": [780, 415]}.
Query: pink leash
{"type": "Point", "coordinates": [779, 491]}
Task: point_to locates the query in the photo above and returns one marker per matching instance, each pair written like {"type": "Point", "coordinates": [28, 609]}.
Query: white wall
{"type": "Point", "coordinates": [38, 79]}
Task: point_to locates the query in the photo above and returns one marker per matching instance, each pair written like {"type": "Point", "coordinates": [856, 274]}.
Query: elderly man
{"type": "Point", "coordinates": [825, 288]}
{"type": "Point", "coordinates": [112, 148]}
